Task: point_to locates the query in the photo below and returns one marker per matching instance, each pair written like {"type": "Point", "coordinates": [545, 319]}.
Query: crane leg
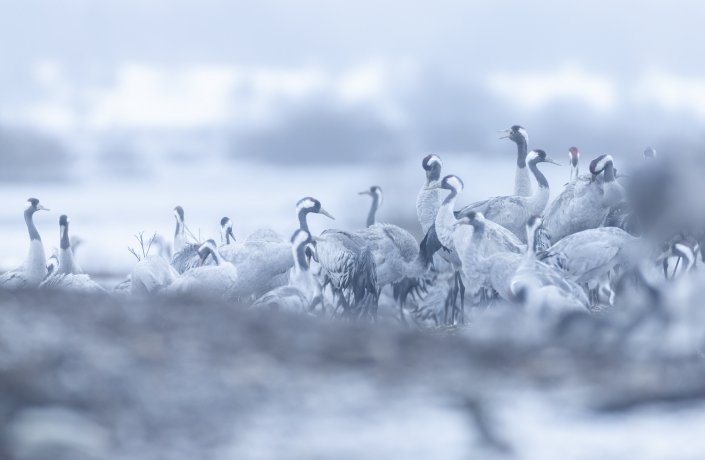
{"type": "Point", "coordinates": [462, 299]}
{"type": "Point", "coordinates": [675, 269]}
{"type": "Point", "coordinates": [401, 313]}
{"type": "Point", "coordinates": [454, 298]}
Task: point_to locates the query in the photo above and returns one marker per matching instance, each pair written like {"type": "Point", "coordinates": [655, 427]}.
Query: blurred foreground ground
{"type": "Point", "coordinates": [96, 378]}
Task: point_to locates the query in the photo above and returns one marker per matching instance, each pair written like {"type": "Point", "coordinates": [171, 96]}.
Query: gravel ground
{"type": "Point", "coordinates": [99, 378]}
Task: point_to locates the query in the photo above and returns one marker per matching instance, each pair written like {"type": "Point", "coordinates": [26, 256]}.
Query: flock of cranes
{"type": "Point", "coordinates": [562, 257]}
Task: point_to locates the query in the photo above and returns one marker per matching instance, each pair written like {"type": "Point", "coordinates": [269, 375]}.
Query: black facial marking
{"type": "Point", "coordinates": [593, 163]}
{"type": "Point", "coordinates": [424, 163]}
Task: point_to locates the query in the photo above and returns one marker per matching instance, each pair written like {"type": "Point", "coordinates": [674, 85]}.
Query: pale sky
{"type": "Point", "coordinates": [439, 75]}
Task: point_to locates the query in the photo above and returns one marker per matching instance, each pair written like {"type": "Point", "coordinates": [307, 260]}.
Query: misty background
{"type": "Point", "coordinates": [115, 112]}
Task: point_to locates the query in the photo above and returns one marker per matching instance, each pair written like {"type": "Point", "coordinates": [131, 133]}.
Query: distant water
{"type": "Point", "coordinates": [107, 211]}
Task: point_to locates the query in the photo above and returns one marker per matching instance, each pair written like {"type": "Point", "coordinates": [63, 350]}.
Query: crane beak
{"type": "Point", "coordinates": [325, 213]}
{"type": "Point", "coordinates": [41, 208]}
{"type": "Point", "coordinates": [592, 179]}
{"type": "Point", "coordinates": [434, 186]}
{"type": "Point", "coordinates": [365, 192]}
{"type": "Point", "coordinates": [665, 255]}
{"type": "Point", "coordinates": [550, 160]}
{"type": "Point", "coordinates": [621, 175]}
{"type": "Point", "coordinates": [505, 131]}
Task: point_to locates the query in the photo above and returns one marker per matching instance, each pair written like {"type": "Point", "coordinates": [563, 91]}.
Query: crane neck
{"type": "Point", "coordinates": [179, 236]}
{"type": "Point", "coordinates": [521, 153]}
{"type": "Point", "coordinates": [479, 230]}
{"type": "Point", "coordinates": [531, 242]}
{"type": "Point", "coordinates": [64, 243]}
{"type": "Point", "coordinates": [67, 263]}
{"type": "Point", "coordinates": [225, 234]}
{"type": "Point", "coordinates": [609, 172]}
{"type": "Point", "coordinates": [450, 199]}
{"type": "Point", "coordinates": [300, 264]}
{"type": "Point", "coordinates": [373, 210]}
{"type": "Point", "coordinates": [434, 174]}
{"type": "Point", "coordinates": [33, 233]}
{"type": "Point", "coordinates": [179, 229]}
{"type": "Point", "coordinates": [216, 256]}
{"type": "Point", "coordinates": [303, 224]}
{"type": "Point", "coordinates": [522, 182]}
{"type": "Point", "coordinates": [540, 178]}
{"type": "Point", "coordinates": [445, 220]}
{"type": "Point", "coordinates": [574, 167]}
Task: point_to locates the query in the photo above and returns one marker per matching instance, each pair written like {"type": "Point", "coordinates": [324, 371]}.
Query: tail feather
{"type": "Point", "coordinates": [543, 240]}
{"type": "Point", "coordinates": [186, 259]}
{"type": "Point", "coordinates": [365, 292]}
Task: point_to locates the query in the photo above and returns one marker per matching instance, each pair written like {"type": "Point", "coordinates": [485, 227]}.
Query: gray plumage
{"type": "Point", "coordinates": [494, 271]}
{"type": "Point", "coordinates": [303, 291]}
{"type": "Point", "coordinates": [219, 280]}
{"type": "Point", "coordinates": [542, 289]}
{"type": "Point", "coordinates": [52, 263]}
{"type": "Point", "coordinates": [66, 275]}
{"type": "Point", "coordinates": [348, 265]}
{"type": "Point", "coordinates": [264, 235]}
{"type": "Point", "coordinates": [512, 212]}
{"type": "Point", "coordinates": [585, 256]}
{"type": "Point", "coordinates": [185, 254]}
{"type": "Point", "coordinates": [258, 264]}
{"type": "Point", "coordinates": [262, 260]}
{"type": "Point", "coordinates": [396, 253]}
{"type": "Point", "coordinates": [124, 288]}
{"type": "Point", "coordinates": [187, 258]}
{"type": "Point", "coordinates": [76, 283]}
{"type": "Point", "coordinates": [622, 215]}
{"type": "Point", "coordinates": [498, 271]}
{"type": "Point", "coordinates": [498, 238]}
{"type": "Point", "coordinates": [151, 275]}
{"type": "Point", "coordinates": [444, 228]}
{"type": "Point", "coordinates": [33, 270]}
{"type": "Point", "coordinates": [583, 204]}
